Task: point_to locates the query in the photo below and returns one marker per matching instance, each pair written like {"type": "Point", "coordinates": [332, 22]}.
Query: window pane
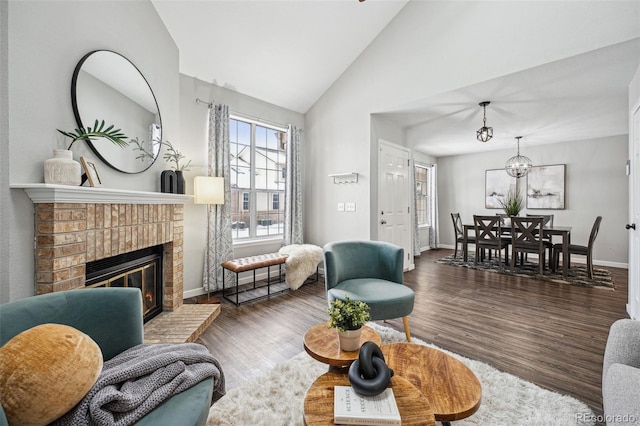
{"type": "Point", "coordinates": [261, 137]}
{"type": "Point", "coordinates": [243, 177]}
{"type": "Point", "coordinates": [240, 214]}
{"type": "Point", "coordinates": [261, 179]}
{"type": "Point", "coordinates": [244, 133]}
{"type": "Point", "coordinates": [273, 139]}
{"type": "Point", "coordinates": [262, 159]}
{"type": "Point", "coordinates": [273, 179]}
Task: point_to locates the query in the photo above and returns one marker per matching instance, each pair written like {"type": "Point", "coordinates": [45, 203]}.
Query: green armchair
{"type": "Point", "coordinates": [370, 271]}
{"type": "Point", "coordinates": [112, 317]}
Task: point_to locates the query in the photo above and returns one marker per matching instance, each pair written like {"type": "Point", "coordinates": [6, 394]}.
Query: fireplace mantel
{"type": "Point", "coordinates": [76, 225]}
{"type": "Point", "coordinates": [50, 193]}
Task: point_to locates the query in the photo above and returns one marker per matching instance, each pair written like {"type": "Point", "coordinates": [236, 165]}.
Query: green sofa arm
{"type": "Point", "coordinates": [112, 317]}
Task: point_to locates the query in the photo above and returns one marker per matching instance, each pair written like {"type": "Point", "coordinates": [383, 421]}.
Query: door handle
{"type": "Point", "coordinates": [383, 222]}
{"type": "Point", "coordinates": [632, 226]}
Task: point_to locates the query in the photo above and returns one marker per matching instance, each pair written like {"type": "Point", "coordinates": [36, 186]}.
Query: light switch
{"type": "Point", "coordinates": [340, 207]}
{"type": "Point", "coordinates": [350, 207]}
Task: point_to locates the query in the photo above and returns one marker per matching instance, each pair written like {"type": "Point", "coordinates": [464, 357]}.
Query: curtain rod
{"type": "Point", "coordinates": [247, 116]}
{"type": "Point", "coordinates": [209, 104]}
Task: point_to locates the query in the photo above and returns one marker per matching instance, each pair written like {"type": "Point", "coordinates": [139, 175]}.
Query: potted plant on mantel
{"type": "Point", "coordinates": [512, 203]}
{"type": "Point", "coordinates": [172, 155]}
{"type": "Point", "coordinates": [62, 168]}
{"type": "Point", "coordinates": [348, 317]}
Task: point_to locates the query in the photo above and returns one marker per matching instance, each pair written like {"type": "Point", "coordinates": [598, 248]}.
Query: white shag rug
{"type": "Point", "coordinates": [277, 397]}
{"type": "Point", "coordinates": [301, 263]}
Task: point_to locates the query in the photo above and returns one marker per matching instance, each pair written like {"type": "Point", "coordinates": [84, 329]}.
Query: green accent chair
{"type": "Point", "coordinates": [370, 271]}
{"type": "Point", "coordinates": [112, 317]}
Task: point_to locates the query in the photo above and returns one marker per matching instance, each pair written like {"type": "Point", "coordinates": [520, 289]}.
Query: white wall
{"type": "Point", "coordinates": [45, 42]}
{"type": "Point", "coordinates": [595, 185]}
{"type": "Point", "coordinates": [4, 152]}
{"type": "Point", "coordinates": [193, 136]}
{"type": "Point", "coordinates": [430, 48]}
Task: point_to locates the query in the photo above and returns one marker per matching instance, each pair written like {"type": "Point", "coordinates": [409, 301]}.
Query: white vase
{"type": "Point", "coordinates": [62, 169]}
{"type": "Point", "coordinates": [350, 340]}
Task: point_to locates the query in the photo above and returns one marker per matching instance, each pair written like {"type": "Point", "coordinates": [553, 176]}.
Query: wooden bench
{"type": "Point", "coordinates": [252, 263]}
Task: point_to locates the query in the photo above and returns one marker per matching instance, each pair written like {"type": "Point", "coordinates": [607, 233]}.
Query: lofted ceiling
{"type": "Point", "coordinates": [289, 53]}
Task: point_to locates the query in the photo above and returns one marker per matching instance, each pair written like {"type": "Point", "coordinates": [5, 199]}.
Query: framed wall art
{"type": "Point", "coordinates": [496, 185]}
{"type": "Point", "coordinates": [545, 187]}
{"type": "Point", "coordinates": [91, 171]}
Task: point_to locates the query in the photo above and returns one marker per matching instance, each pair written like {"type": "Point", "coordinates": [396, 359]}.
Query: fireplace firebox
{"type": "Point", "coordinates": [141, 269]}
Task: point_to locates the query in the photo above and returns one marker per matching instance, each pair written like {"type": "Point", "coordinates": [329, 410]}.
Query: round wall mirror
{"type": "Point", "coordinates": [107, 86]}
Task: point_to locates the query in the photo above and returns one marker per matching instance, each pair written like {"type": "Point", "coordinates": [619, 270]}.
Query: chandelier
{"type": "Point", "coordinates": [484, 134]}
{"type": "Point", "coordinates": [519, 165]}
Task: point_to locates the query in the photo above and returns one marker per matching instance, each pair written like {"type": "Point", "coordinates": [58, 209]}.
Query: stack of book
{"type": "Point", "coordinates": [351, 408]}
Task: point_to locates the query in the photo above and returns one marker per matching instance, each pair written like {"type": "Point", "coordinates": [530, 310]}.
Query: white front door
{"type": "Point", "coordinates": [633, 308]}
{"type": "Point", "coordinates": [394, 201]}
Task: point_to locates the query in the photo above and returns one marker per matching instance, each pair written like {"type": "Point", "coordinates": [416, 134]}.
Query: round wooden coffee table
{"type": "Point", "coordinates": [321, 342]}
{"type": "Point", "coordinates": [318, 402]}
{"type": "Point", "coordinates": [452, 389]}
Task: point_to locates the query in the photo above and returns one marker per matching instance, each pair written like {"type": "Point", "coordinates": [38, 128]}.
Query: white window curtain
{"type": "Point", "coordinates": [219, 237]}
{"type": "Point", "coordinates": [293, 227]}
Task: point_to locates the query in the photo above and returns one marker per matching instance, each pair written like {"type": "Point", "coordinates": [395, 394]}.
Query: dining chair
{"type": "Point", "coordinates": [581, 250]}
{"type": "Point", "coordinates": [372, 272]}
{"type": "Point", "coordinates": [527, 237]}
{"type": "Point", "coordinates": [488, 230]}
{"type": "Point", "coordinates": [548, 219]}
{"type": "Point", "coordinates": [459, 233]}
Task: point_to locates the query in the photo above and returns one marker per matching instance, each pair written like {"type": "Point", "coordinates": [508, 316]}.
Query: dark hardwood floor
{"type": "Point", "coordinates": [547, 333]}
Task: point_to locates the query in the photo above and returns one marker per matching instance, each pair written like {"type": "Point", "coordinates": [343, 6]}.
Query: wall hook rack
{"type": "Point", "coordinates": [349, 177]}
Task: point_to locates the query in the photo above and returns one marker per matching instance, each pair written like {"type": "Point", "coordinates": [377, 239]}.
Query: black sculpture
{"type": "Point", "coordinates": [369, 375]}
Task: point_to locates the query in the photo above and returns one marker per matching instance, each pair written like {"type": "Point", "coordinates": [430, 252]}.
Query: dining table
{"type": "Point", "coordinates": [548, 232]}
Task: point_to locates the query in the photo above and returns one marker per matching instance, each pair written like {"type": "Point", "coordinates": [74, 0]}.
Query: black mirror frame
{"type": "Point", "coordinates": [76, 112]}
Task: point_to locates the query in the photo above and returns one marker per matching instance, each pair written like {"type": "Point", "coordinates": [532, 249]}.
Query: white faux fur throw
{"type": "Point", "coordinates": [301, 263]}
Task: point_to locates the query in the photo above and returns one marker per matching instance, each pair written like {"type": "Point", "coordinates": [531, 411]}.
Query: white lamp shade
{"type": "Point", "coordinates": [208, 190]}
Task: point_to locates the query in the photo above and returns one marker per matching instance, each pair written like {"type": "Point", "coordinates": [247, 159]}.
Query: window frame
{"type": "Point", "coordinates": [253, 192]}
{"type": "Point", "coordinates": [427, 196]}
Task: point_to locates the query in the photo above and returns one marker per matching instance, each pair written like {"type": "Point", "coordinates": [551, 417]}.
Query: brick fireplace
{"type": "Point", "coordinates": [76, 225]}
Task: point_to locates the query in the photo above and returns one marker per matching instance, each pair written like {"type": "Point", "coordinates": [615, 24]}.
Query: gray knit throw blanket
{"type": "Point", "coordinates": [141, 378]}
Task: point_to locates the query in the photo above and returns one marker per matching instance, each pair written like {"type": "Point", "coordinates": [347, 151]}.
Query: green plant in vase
{"type": "Point", "coordinates": [513, 202]}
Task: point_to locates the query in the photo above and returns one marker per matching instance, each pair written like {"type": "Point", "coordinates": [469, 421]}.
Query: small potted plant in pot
{"type": "Point", "coordinates": [348, 317]}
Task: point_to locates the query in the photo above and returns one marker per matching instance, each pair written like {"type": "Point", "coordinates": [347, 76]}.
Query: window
{"type": "Point", "coordinates": [245, 201]}
{"type": "Point", "coordinates": [422, 195]}
{"type": "Point", "coordinates": [258, 164]}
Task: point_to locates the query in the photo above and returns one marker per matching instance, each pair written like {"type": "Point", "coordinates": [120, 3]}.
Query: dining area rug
{"type": "Point", "coordinates": [577, 273]}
